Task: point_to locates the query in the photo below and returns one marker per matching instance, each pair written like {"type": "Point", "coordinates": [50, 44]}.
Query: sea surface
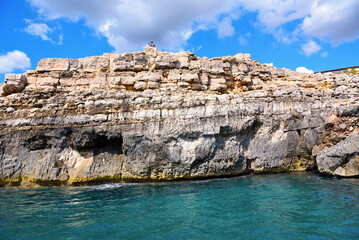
{"type": "Point", "coordinates": [280, 206]}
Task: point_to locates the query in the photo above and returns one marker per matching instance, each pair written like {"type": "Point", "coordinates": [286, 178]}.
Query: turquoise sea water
{"type": "Point", "coordinates": [280, 206]}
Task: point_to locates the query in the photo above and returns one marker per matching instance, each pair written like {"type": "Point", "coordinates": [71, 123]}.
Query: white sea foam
{"type": "Point", "coordinates": [107, 186]}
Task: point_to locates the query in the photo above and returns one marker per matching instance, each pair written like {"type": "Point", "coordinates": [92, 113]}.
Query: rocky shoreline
{"type": "Point", "coordinates": [160, 116]}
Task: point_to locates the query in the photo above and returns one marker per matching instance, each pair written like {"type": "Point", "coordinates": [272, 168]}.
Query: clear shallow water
{"type": "Point", "coordinates": [250, 207]}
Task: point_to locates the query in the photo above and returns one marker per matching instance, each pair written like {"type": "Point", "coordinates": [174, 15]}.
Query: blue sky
{"type": "Point", "coordinates": [315, 34]}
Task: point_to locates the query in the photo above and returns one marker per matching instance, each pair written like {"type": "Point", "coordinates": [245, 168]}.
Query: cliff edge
{"type": "Point", "coordinates": [153, 115]}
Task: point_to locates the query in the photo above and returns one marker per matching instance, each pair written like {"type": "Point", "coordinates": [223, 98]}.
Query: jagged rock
{"type": "Point", "coordinates": [341, 159]}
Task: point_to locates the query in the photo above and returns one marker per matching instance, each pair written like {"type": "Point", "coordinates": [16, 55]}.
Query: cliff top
{"type": "Point", "coordinates": [154, 69]}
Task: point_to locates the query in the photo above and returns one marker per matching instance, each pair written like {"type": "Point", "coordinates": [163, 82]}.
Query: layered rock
{"type": "Point", "coordinates": [14, 83]}
{"type": "Point", "coordinates": [153, 115]}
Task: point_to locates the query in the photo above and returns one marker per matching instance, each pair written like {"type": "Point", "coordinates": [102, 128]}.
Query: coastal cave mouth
{"type": "Point", "coordinates": [111, 144]}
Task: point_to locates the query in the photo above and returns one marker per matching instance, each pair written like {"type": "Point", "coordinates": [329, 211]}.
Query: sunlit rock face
{"type": "Point", "coordinates": [153, 115]}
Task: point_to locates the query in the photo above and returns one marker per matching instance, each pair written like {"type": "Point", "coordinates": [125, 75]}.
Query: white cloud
{"type": "Point", "coordinates": [38, 29]}
{"type": "Point", "coordinates": [129, 24]}
{"type": "Point", "coordinates": [61, 39]}
{"type": "Point", "coordinates": [242, 40]}
{"type": "Point", "coordinates": [274, 13]}
{"type": "Point", "coordinates": [14, 60]}
{"type": "Point", "coordinates": [329, 20]}
{"type": "Point", "coordinates": [324, 54]}
{"type": "Point", "coordinates": [225, 28]}
{"type": "Point", "coordinates": [304, 70]}
{"type": "Point", "coordinates": [332, 20]}
{"type": "Point", "coordinates": [310, 48]}
{"type": "Point", "coordinates": [43, 30]}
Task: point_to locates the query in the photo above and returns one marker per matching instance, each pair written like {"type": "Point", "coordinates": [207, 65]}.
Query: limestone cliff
{"type": "Point", "coordinates": [154, 115]}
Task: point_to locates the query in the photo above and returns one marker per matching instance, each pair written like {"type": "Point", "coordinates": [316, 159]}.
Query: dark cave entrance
{"type": "Point", "coordinates": [111, 144]}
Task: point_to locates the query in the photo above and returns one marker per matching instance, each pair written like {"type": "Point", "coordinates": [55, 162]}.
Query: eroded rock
{"type": "Point", "coordinates": [154, 115]}
{"type": "Point", "coordinates": [342, 159]}
{"type": "Point", "coordinates": [14, 83]}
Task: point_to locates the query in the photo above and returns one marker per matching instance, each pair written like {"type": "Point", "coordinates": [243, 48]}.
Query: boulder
{"type": "Point", "coordinates": [342, 159]}
{"type": "Point", "coordinates": [14, 83]}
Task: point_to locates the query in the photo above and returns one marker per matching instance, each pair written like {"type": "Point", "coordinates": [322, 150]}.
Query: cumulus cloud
{"type": "Point", "coordinates": [38, 29]}
{"type": "Point", "coordinates": [324, 54]}
{"type": "Point", "coordinates": [304, 70]}
{"type": "Point", "coordinates": [332, 20]}
{"type": "Point", "coordinates": [14, 60]}
{"type": "Point", "coordinates": [225, 28]}
{"type": "Point", "coordinates": [243, 39]}
{"type": "Point", "coordinates": [274, 13]}
{"type": "Point", "coordinates": [311, 47]}
{"type": "Point", "coordinates": [129, 24]}
{"type": "Point", "coordinates": [42, 30]}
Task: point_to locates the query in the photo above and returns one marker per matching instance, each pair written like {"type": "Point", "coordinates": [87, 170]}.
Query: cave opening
{"type": "Point", "coordinates": [112, 144]}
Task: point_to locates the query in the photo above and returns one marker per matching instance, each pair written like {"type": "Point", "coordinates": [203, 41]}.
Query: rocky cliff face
{"type": "Point", "coordinates": [155, 115]}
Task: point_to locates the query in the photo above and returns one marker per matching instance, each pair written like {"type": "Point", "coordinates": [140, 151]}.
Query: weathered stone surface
{"type": "Point", "coordinates": [150, 51]}
{"type": "Point", "coordinates": [166, 60]}
{"type": "Point", "coordinates": [342, 159]}
{"type": "Point", "coordinates": [218, 84]}
{"type": "Point", "coordinates": [95, 64]}
{"type": "Point", "coordinates": [148, 116]}
{"type": "Point", "coordinates": [14, 83]}
{"type": "Point", "coordinates": [53, 64]}
{"type": "Point", "coordinates": [121, 62]}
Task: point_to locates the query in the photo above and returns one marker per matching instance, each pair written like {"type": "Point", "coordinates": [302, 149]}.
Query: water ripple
{"type": "Point", "coordinates": [250, 207]}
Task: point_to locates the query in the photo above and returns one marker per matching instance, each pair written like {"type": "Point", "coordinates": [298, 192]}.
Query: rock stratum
{"type": "Point", "coordinates": [153, 115]}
